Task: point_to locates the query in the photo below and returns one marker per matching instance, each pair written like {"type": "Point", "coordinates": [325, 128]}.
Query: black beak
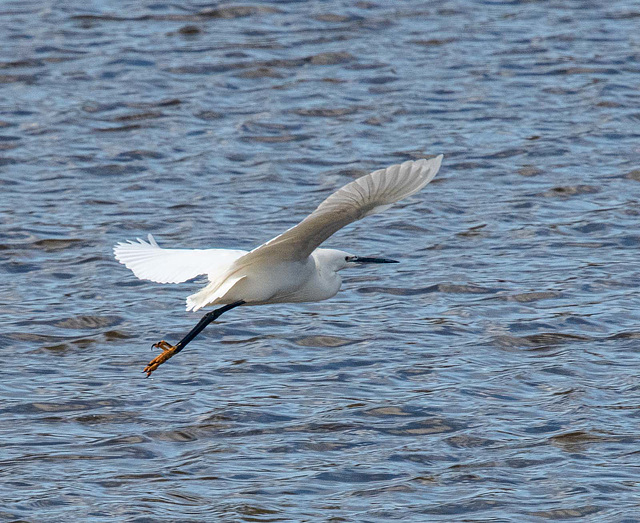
{"type": "Point", "coordinates": [360, 259]}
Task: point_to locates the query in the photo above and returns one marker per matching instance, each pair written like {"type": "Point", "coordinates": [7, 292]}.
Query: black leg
{"type": "Point", "coordinates": [170, 350]}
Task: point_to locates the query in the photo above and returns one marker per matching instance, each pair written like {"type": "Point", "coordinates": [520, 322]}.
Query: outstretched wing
{"type": "Point", "coordinates": [149, 261]}
{"type": "Point", "coordinates": [367, 195]}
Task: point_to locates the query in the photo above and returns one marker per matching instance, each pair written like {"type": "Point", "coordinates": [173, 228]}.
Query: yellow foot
{"type": "Point", "coordinates": [167, 351]}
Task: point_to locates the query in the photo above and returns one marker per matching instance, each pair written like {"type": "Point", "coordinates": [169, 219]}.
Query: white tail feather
{"type": "Point", "coordinates": [212, 292]}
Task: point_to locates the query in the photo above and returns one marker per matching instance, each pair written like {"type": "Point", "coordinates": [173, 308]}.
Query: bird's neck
{"type": "Point", "coordinates": [326, 281]}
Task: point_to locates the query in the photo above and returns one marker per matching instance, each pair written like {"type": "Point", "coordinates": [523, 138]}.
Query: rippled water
{"type": "Point", "coordinates": [492, 376]}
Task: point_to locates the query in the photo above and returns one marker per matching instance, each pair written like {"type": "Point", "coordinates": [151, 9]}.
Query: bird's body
{"type": "Point", "coordinates": [262, 282]}
{"type": "Point", "coordinates": [290, 268]}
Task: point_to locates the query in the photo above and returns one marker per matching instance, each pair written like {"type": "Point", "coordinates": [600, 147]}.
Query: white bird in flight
{"type": "Point", "coordinates": [290, 268]}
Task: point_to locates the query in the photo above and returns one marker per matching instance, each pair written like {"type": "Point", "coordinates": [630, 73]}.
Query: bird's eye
{"type": "Point", "coordinates": [346, 258]}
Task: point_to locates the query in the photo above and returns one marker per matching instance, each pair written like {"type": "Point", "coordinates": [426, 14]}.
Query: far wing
{"type": "Point", "coordinates": [149, 261]}
{"type": "Point", "coordinates": [367, 195]}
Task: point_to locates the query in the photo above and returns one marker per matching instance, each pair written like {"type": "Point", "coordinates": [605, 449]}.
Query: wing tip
{"type": "Point", "coordinates": [423, 164]}
{"type": "Point", "coordinates": [135, 244]}
{"type": "Point", "coordinates": [117, 251]}
{"type": "Point", "coordinates": [429, 167]}
{"type": "Point", "coordinates": [437, 161]}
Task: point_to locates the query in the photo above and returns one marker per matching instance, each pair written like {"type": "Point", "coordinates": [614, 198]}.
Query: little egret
{"type": "Point", "coordinates": [290, 268]}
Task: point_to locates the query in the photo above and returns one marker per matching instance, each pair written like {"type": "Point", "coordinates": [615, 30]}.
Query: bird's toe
{"type": "Point", "coordinates": [168, 350]}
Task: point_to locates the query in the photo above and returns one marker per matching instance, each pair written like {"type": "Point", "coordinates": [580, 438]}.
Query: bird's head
{"type": "Point", "coordinates": [338, 260]}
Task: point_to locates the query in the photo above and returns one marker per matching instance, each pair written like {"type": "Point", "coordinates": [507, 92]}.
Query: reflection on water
{"type": "Point", "coordinates": [492, 375]}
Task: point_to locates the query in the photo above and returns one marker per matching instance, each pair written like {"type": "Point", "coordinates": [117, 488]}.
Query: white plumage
{"type": "Point", "coordinates": [370, 194]}
{"type": "Point", "coordinates": [290, 267]}
{"type": "Point", "coordinates": [149, 261]}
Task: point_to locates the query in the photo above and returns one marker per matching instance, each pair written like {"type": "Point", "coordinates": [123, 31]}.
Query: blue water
{"type": "Point", "coordinates": [491, 376]}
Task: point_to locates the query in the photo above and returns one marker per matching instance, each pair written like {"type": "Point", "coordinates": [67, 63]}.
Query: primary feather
{"type": "Point", "coordinates": [149, 261]}
{"type": "Point", "coordinates": [367, 195]}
